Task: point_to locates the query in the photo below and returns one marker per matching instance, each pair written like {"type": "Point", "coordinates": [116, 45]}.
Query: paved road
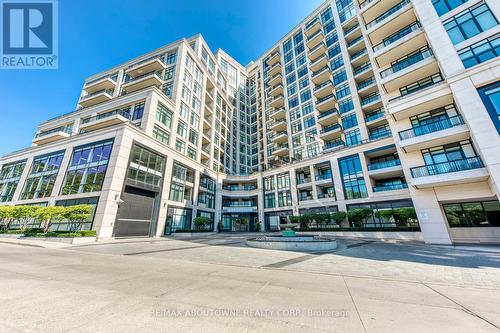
{"type": "Point", "coordinates": [217, 284]}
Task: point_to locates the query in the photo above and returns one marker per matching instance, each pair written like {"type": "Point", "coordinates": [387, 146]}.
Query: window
{"type": "Point", "coordinates": [195, 120]}
{"type": "Point", "coordinates": [491, 99]}
{"type": "Point", "coordinates": [352, 177]}
{"type": "Point", "coordinates": [305, 96]}
{"type": "Point", "coordinates": [87, 168]}
{"type": "Point", "coordinates": [346, 105]}
{"type": "Point", "coordinates": [309, 122]}
{"type": "Point", "coordinates": [180, 146]}
{"type": "Point", "coordinates": [193, 137]}
{"type": "Point", "coordinates": [349, 121]}
{"type": "Point", "coordinates": [161, 135]}
{"type": "Point", "coordinates": [269, 183]}
{"type": "Point", "coordinates": [269, 200]}
{"type": "Point", "coordinates": [473, 214]}
{"type": "Point", "coordinates": [9, 179]}
{"type": "Point", "coordinates": [42, 177]}
{"type": "Point", "coordinates": [447, 153]}
{"type": "Point", "coordinates": [470, 23]}
{"type": "Point", "coordinates": [444, 6]}
{"type": "Point", "coordinates": [191, 153]}
{"type": "Point", "coordinates": [480, 52]}
{"type": "Point", "coordinates": [66, 225]}
{"type": "Point", "coordinates": [284, 198]}
{"type": "Point", "coordinates": [145, 168]}
{"type": "Point", "coordinates": [182, 129]}
{"type": "Point", "coordinates": [171, 58]}
{"type": "Point", "coordinates": [283, 181]}
{"type": "Point", "coordinates": [352, 138]}
{"type": "Point", "coordinates": [164, 115]}
{"type": "Point", "coordinates": [178, 219]}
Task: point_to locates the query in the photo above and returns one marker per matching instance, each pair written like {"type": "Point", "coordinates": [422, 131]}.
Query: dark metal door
{"type": "Point", "coordinates": [135, 213]}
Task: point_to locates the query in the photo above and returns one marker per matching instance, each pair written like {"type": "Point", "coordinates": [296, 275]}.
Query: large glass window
{"type": "Point", "coordinates": [352, 177]}
{"type": "Point", "coordinates": [470, 23]}
{"type": "Point", "coordinates": [473, 214]}
{"type": "Point", "coordinates": [42, 177]}
{"type": "Point", "coordinates": [9, 178]}
{"type": "Point", "coordinates": [179, 218]}
{"type": "Point", "coordinates": [491, 99]}
{"type": "Point", "coordinates": [66, 225]}
{"type": "Point", "coordinates": [164, 115]}
{"type": "Point", "coordinates": [284, 198]}
{"type": "Point", "coordinates": [145, 169]}
{"type": "Point", "coordinates": [87, 168]}
{"type": "Point", "coordinates": [447, 153]}
{"type": "Point", "coordinates": [480, 52]}
{"type": "Point", "coordinates": [444, 6]}
{"type": "Point", "coordinates": [283, 181]}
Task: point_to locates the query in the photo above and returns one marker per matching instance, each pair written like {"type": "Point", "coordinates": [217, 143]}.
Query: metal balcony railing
{"type": "Point", "coordinates": [432, 127]}
{"type": "Point", "coordinates": [384, 164]}
{"type": "Point", "coordinates": [447, 167]}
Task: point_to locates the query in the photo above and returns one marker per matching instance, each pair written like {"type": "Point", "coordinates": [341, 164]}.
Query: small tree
{"type": "Point", "coordinates": [294, 219]}
{"type": "Point", "coordinates": [24, 214]}
{"type": "Point", "coordinates": [338, 218]}
{"type": "Point", "coordinates": [358, 215]}
{"type": "Point", "coordinates": [305, 221]}
{"type": "Point", "coordinates": [6, 216]}
{"type": "Point", "coordinates": [220, 226]}
{"type": "Point", "coordinates": [202, 222]}
{"type": "Point", "coordinates": [77, 215]}
{"type": "Point", "coordinates": [322, 219]}
{"type": "Point", "coordinates": [257, 226]}
{"type": "Point", "coordinates": [403, 216]}
{"type": "Point", "coordinates": [385, 215]}
{"type": "Point", "coordinates": [48, 215]}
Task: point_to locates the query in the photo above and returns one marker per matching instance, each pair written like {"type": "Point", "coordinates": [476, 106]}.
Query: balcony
{"type": "Point", "coordinates": [45, 137]}
{"type": "Point", "coordinates": [351, 30]}
{"type": "Point", "coordinates": [393, 19]}
{"type": "Point", "coordinates": [402, 42]}
{"type": "Point", "coordinates": [317, 51]}
{"type": "Point", "coordinates": [280, 137]}
{"type": "Point", "coordinates": [386, 169]}
{"type": "Point", "coordinates": [275, 69]}
{"type": "Point", "coordinates": [321, 75]}
{"type": "Point", "coordinates": [146, 66]}
{"type": "Point", "coordinates": [367, 86]}
{"type": "Point", "coordinates": [325, 178]}
{"type": "Point", "coordinates": [379, 135]}
{"type": "Point", "coordinates": [274, 59]}
{"type": "Point", "coordinates": [312, 27]}
{"type": "Point", "coordinates": [356, 44]}
{"type": "Point", "coordinates": [319, 63]}
{"type": "Point", "coordinates": [323, 90]}
{"type": "Point", "coordinates": [371, 102]}
{"type": "Point", "coordinates": [315, 39]}
{"type": "Point", "coordinates": [375, 118]}
{"type": "Point", "coordinates": [95, 98]}
{"type": "Point", "coordinates": [423, 98]}
{"type": "Point", "coordinates": [410, 69]}
{"type": "Point", "coordinates": [470, 170]}
{"type": "Point", "coordinates": [275, 80]}
{"type": "Point", "coordinates": [278, 114]}
{"type": "Point", "coordinates": [363, 72]}
{"type": "Point", "coordinates": [143, 81]}
{"type": "Point", "coordinates": [304, 182]}
{"type": "Point", "coordinates": [331, 132]}
{"type": "Point", "coordinates": [278, 102]}
{"type": "Point", "coordinates": [277, 90]}
{"type": "Point", "coordinates": [359, 57]}
{"type": "Point", "coordinates": [329, 117]}
{"type": "Point", "coordinates": [101, 84]}
{"type": "Point", "coordinates": [326, 103]}
{"type": "Point", "coordinates": [437, 133]}
{"type": "Point", "coordinates": [393, 187]}
{"type": "Point", "coordinates": [333, 145]}
{"type": "Point", "coordinates": [104, 120]}
{"type": "Point", "coordinates": [238, 191]}
{"type": "Point", "coordinates": [278, 126]}
{"type": "Point", "coordinates": [281, 150]}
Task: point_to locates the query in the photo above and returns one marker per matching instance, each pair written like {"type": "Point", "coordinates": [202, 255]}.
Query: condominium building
{"type": "Point", "coordinates": [378, 103]}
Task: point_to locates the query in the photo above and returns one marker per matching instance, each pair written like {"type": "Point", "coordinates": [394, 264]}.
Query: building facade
{"type": "Point", "coordinates": [381, 104]}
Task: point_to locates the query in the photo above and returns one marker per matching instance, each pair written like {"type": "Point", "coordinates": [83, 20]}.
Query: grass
{"type": "Point", "coordinates": [40, 234]}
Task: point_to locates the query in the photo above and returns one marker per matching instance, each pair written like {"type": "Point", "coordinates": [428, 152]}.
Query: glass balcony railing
{"type": "Point", "coordinates": [384, 164]}
{"type": "Point", "coordinates": [243, 204]}
{"type": "Point", "coordinates": [324, 176]}
{"type": "Point", "coordinates": [305, 198]}
{"type": "Point", "coordinates": [392, 187]}
{"type": "Point", "coordinates": [365, 3]}
{"type": "Point", "coordinates": [123, 113]}
{"type": "Point", "coordinates": [303, 180]}
{"type": "Point", "coordinates": [447, 167]}
{"type": "Point", "coordinates": [334, 144]}
{"type": "Point", "coordinates": [362, 68]}
{"type": "Point", "coordinates": [374, 116]}
{"type": "Point", "coordinates": [358, 54]}
{"type": "Point", "coordinates": [397, 36]}
{"type": "Point", "coordinates": [135, 78]}
{"type": "Point", "coordinates": [366, 83]}
{"type": "Point", "coordinates": [432, 127]}
{"type": "Point", "coordinates": [331, 128]}
{"type": "Point", "coordinates": [370, 99]}
{"type": "Point", "coordinates": [321, 86]}
{"type": "Point", "coordinates": [311, 23]}
{"type": "Point", "coordinates": [317, 47]}
{"type": "Point", "coordinates": [351, 29]}
{"type": "Point", "coordinates": [315, 34]}
{"type": "Point", "coordinates": [328, 113]}
{"type": "Point", "coordinates": [65, 129]}
{"type": "Point", "coordinates": [380, 135]}
{"type": "Point", "coordinates": [388, 13]}
{"type": "Point", "coordinates": [240, 187]}
{"type": "Point", "coordinates": [319, 71]}
{"type": "Point", "coordinates": [102, 91]}
{"type": "Point", "coordinates": [354, 41]}
{"type": "Point", "coordinates": [407, 62]}
{"type": "Point", "coordinates": [418, 86]}
{"type": "Point", "coordinates": [326, 195]}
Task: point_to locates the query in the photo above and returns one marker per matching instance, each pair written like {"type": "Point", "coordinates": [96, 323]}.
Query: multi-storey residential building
{"type": "Point", "coordinates": [377, 103]}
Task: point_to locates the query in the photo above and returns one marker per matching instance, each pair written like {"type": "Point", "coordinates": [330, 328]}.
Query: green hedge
{"type": "Point", "coordinates": [189, 230]}
{"type": "Point", "coordinates": [394, 229]}
{"type": "Point", "coordinates": [64, 234]}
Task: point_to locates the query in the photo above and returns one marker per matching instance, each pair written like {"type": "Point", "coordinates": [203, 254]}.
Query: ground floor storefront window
{"type": "Point", "coordinates": [239, 222]}
{"type": "Point", "coordinates": [385, 214]}
{"type": "Point", "coordinates": [178, 219]}
{"type": "Point", "coordinates": [473, 214]}
{"type": "Point", "coordinates": [274, 219]}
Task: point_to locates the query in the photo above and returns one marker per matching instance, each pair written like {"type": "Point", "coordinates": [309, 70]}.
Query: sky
{"type": "Point", "coordinates": [95, 35]}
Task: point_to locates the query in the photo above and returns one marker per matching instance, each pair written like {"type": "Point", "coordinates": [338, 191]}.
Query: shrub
{"type": "Point", "coordinates": [306, 220]}
{"type": "Point", "coordinates": [77, 215]}
{"type": "Point", "coordinates": [257, 226]}
{"type": "Point", "coordinates": [24, 214]}
{"type": "Point", "coordinates": [202, 222]}
{"type": "Point", "coordinates": [338, 217]}
{"type": "Point", "coordinates": [294, 219]}
{"type": "Point", "coordinates": [5, 216]}
{"type": "Point", "coordinates": [358, 215]}
{"type": "Point", "coordinates": [322, 219]}
{"type": "Point", "coordinates": [88, 233]}
{"type": "Point", "coordinates": [48, 215]}
{"type": "Point", "coordinates": [220, 227]}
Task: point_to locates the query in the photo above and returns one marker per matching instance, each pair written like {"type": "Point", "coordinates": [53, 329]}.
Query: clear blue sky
{"type": "Point", "coordinates": [95, 35]}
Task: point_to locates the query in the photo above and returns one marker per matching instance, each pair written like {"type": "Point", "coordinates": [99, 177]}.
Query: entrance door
{"type": "Point", "coordinates": [135, 213]}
